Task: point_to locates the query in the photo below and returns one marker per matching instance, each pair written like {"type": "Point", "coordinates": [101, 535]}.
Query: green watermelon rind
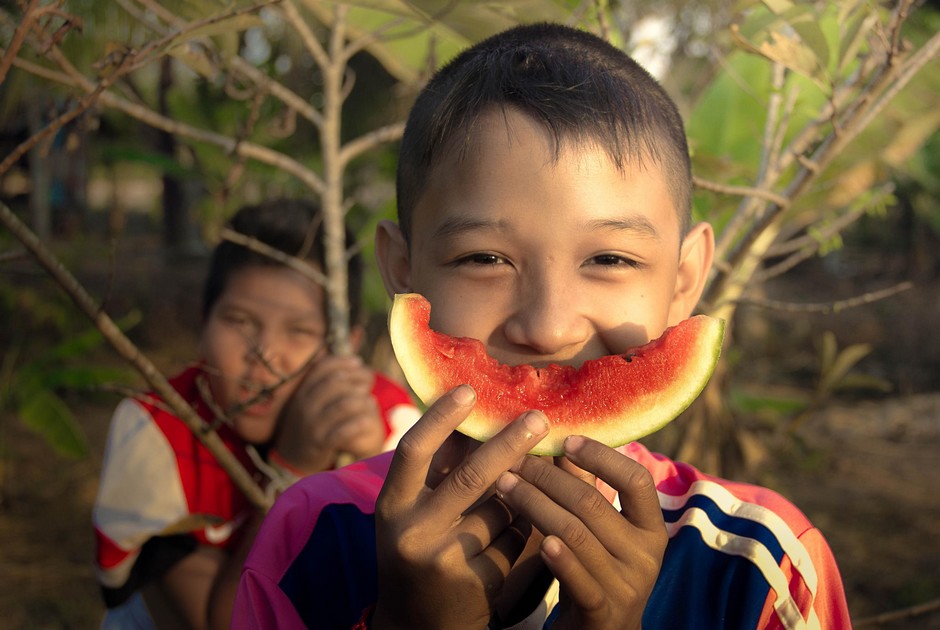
{"type": "Point", "coordinates": [635, 418]}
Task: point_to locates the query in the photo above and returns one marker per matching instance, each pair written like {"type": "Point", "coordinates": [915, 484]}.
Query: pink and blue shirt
{"type": "Point", "coordinates": [739, 556]}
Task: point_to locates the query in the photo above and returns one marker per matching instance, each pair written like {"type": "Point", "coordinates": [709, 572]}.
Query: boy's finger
{"type": "Point", "coordinates": [482, 525]}
{"type": "Point", "coordinates": [498, 558]}
{"type": "Point", "coordinates": [409, 467]}
{"type": "Point", "coordinates": [638, 498]}
{"type": "Point", "coordinates": [560, 504]}
{"type": "Point", "coordinates": [476, 474]}
{"type": "Point", "coordinates": [575, 579]}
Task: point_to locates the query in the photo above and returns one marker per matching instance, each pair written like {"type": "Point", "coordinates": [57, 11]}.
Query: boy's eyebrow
{"type": "Point", "coordinates": [457, 225]}
{"type": "Point", "coordinates": [633, 223]}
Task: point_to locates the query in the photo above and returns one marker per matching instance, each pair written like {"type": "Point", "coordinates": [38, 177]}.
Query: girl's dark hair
{"type": "Point", "coordinates": [580, 87]}
{"type": "Point", "coordinates": [292, 226]}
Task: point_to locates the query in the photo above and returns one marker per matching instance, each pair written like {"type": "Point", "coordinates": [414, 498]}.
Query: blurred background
{"type": "Point", "coordinates": [130, 130]}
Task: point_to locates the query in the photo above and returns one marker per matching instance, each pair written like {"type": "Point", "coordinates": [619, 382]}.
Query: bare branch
{"type": "Point", "coordinates": [899, 615]}
{"type": "Point", "coordinates": [389, 133]}
{"type": "Point", "coordinates": [134, 356]}
{"type": "Point", "coordinates": [152, 118]}
{"type": "Point", "coordinates": [885, 80]}
{"type": "Point", "coordinates": [310, 41]}
{"type": "Point", "coordinates": [833, 228]}
{"type": "Point", "coordinates": [235, 63]}
{"type": "Point", "coordinates": [741, 191]}
{"type": "Point", "coordinates": [827, 307]}
{"type": "Point", "coordinates": [293, 262]}
{"type": "Point", "coordinates": [31, 13]}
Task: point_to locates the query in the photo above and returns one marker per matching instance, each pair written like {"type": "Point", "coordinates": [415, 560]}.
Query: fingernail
{"type": "Point", "coordinates": [551, 546]}
{"type": "Point", "coordinates": [506, 482]}
{"type": "Point", "coordinates": [464, 395]}
{"type": "Point", "coordinates": [573, 443]}
{"type": "Point", "coordinates": [536, 423]}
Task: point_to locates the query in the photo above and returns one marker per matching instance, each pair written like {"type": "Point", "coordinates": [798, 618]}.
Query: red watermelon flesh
{"type": "Point", "coordinates": [613, 399]}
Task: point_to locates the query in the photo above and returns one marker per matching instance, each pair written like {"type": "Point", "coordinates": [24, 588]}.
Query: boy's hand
{"type": "Point", "coordinates": [445, 541]}
{"type": "Point", "coordinates": [332, 411]}
{"type": "Point", "coordinates": [606, 561]}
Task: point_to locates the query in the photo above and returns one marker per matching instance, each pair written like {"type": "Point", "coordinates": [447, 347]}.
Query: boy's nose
{"type": "Point", "coordinates": [547, 319]}
{"type": "Point", "coordinates": [262, 349]}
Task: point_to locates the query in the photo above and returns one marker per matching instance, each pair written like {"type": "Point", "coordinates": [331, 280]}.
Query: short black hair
{"type": "Point", "coordinates": [579, 86]}
{"type": "Point", "coordinates": [292, 226]}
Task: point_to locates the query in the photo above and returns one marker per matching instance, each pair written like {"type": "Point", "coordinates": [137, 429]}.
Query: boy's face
{"type": "Point", "coordinates": [546, 260]}
{"type": "Point", "coordinates": [270, 312]}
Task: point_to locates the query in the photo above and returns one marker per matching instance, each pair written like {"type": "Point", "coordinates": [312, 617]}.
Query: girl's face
{"type": "Point", "coordinates": [262, 331]}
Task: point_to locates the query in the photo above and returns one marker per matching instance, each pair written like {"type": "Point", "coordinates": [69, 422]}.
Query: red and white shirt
{"type": "Point", "coordinates": [162, 493]}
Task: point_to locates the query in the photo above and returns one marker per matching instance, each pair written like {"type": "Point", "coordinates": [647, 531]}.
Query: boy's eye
{"type": "Point", "coordinates": [305, 332]}
{"type": "Point", "coordinates": [610, 260]}
{"type": "Point", "coordinates": [236, 319]}
{"type": "Point", "coordinates": [481, 259]}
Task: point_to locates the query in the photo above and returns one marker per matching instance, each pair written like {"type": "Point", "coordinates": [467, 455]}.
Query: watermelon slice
{"type": "Point", "coordinates": [613, 399]}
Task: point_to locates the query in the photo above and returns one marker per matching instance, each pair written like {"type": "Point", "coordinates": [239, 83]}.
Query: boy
{"type": "Point", "coordinates": [171, 527]}
{"type": "Point", "coordinates": [544, 201]}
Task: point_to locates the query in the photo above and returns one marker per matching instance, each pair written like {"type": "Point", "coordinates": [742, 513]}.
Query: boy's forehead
{"type": "Point", "coordinates": [465, 188]}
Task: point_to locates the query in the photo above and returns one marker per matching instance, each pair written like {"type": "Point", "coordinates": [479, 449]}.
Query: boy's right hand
{"type": "Point", "coordinates": [445, 542]}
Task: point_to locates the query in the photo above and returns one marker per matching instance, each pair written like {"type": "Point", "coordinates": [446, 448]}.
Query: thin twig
{"type": "Point", "coordinates": [30, 14]}
{"type": "Point", "coordinates": [827, 307]}
{"type": "Point", "coordinates": [803, 242]}
{"type": "Point", "coordinates": [132, 354]}
{"type": "Point", "coordinates": [900, 614]}
{"type": "Point", "coordinates": [145, 114]}
{"type": "Point", "coordinates": [293, 262]}
{"type": "Point", "coordinates": [740, 191]}
{"type": "Point", "coordinates": [310, 41]}
{"type": "Point", "coordinates": [370, 140]}
{"type": "Point", "coordinates": [277, 89]}
{"type": "Point", "coordinates": [885, 79]}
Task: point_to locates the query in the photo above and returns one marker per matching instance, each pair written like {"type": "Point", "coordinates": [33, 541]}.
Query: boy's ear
{"type": "Point", "coordinates": [391, 254]}
{"type": "Point", "coordinates": [695, 262]}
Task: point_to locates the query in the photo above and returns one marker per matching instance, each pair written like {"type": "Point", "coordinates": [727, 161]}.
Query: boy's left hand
{"type": "Point", "coordinates": [332, 411]}
{"type": "Point", "coordinates": [606, 561]}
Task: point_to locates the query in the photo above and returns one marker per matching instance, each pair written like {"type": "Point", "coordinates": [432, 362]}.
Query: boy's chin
{"type": "Point", "coordinates": [254, 430]}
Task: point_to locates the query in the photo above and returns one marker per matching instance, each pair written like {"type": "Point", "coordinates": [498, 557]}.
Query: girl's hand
{"type": "Point", "coordinates": [331, 412]}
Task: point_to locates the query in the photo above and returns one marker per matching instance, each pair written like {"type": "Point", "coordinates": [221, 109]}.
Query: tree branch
{"type": "Point", "coordinates": [827, 308]}
{"type": "Point", "coordinates": [899, 615]}
{"type": "Point", "coordinates": [134, 356]}
{"type": "Point", "coordinates": [293, 262]}
{"type": "Point", "coordinates": [741, 191]}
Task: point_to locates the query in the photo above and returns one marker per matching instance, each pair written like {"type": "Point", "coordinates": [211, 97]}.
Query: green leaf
{"type": "Point", "coordinates": [853, 38]}
{"type": "Point", "coordinates": [827, 351]}
{"type": "Point", "coordinates": [46, 414]}
{"type": "Point", "coordinates": [865, 382]}
{"type": "Point", "coordinates": [196, 58]}
{"type": "Point", "coordinates": [791, 37]}
{"type": "Point", "coordinates": [750, 403]}
{"type": "Point", "coordinates": [842, 365]}
{"type": "Point", "coordinates": [82, 377]}
{"type": "Point", "coordinates": [811, 34]}
{"type": "Point", "coordinates": [778, 6]}
{"type": "Point", "coordinates": [85, 342]}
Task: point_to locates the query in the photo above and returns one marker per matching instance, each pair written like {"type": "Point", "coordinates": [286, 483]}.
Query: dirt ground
{"type": "Point", "coordinates": [864, 468]}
